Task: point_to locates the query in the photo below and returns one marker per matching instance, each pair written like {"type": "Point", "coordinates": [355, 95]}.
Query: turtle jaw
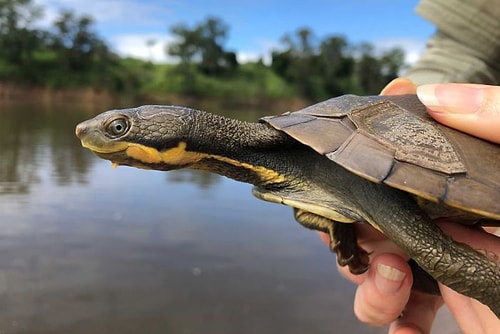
{"type": "Point", "coordinates": [97, 142]}
{"type": "Point", "coordinates": [102, 146]}
{"type": "Point", "coordinates": [121, 158]}
{"type": "Point", "coordinates": [120, 152]}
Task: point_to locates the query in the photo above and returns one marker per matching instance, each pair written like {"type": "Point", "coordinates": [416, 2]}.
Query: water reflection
{"type": "Point", "coordinates": [85, 248]}
{"type": "Point", "coordinates": [200, 178]}
{"type": "Point", "coordinates": [37, 141]}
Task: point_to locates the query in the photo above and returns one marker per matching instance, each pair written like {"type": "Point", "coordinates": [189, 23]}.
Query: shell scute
{"type": "Point", "coordinates": [392, 139]}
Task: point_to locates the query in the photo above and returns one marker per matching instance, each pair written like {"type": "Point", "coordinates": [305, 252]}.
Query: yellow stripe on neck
{"type": "Point", "coordinates": [178, 156]}
{"type": "Point", "coordinates": [266, 175]}
{"type": "Point", "coordinates": [173, 156]}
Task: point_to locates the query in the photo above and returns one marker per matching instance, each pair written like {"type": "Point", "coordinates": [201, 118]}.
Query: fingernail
{"type": "Point", "coordinates": [451, 98]}
{"type": "Point", "coordinates": [388, 279]}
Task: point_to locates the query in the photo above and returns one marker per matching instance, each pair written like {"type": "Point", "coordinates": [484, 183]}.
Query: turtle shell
{"type": "Point", "coordinates": [392, 139]}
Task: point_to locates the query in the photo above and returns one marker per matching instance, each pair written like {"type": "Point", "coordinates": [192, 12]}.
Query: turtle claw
{"type": "Point", "coordinates": [349, 253]}
{"type": "Point", "coordinates": [358, 260]}
{"type": "Point", "coordinates": [342, 240]}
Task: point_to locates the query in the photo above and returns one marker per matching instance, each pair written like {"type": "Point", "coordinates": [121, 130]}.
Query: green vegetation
{"type": "Point", "coordinates": [71, 54]}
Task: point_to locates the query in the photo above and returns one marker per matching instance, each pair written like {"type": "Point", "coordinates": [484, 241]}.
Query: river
{"type": "Point", "coordinates": [85, 248]}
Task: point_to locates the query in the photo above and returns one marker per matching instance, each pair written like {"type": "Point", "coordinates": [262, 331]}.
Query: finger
{"type": "Point", "coordinates": [474, 109]}
{"type": "Point", "coordinates": [324, 237]}
{"type": "Point", "coordinates": [399, 86]}
{"type": "Point", "coordinates": [385, 291]}
{"type": "Point", "coordinates": [418, 314]}
{"type": "Point", "coordinates": [476, 238]}
{"type": "Point", "coordinates": [471, 315]}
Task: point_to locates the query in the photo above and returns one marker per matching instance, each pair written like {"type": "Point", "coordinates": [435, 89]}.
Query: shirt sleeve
{"type": "Point", "coordinates": [466, 46]}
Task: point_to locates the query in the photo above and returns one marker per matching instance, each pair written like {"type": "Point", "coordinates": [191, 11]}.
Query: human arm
{"type": "Point", "coordinates": [466, 45]}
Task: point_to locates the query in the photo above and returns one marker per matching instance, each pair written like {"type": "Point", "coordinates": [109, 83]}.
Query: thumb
{"type": "Point", "coordinates": [474, 109]}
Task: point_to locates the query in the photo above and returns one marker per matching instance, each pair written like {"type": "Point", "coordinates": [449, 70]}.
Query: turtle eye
{"type": "Point", "coordinates": [117, 127]}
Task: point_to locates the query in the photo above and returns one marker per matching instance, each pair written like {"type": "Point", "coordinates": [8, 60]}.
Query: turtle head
{"type": "Point", "coordinates": [146, 137]}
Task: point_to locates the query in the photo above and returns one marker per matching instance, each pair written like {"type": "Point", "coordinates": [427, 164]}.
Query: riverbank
{"type": "Point", "coordinates": [92, 98]}
{"type": "Point", "coordinates": [86, 96]}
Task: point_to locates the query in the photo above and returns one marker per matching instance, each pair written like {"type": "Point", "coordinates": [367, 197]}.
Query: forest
{"type": "Point", "coordinates": [70, 53]}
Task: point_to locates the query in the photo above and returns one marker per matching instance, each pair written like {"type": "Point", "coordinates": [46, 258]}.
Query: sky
{"type": "Point", "coordinates": [255, 26]}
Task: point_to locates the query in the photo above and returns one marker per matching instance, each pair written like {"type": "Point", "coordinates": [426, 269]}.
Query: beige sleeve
{"type": "Point", "coordinates": [466, 46]}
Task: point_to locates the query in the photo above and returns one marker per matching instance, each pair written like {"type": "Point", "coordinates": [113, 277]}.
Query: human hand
{"type": "Point", "coordinates": [474, 109]}
{"type": "Point", "coordinates": [470, 108]}
{"type": "Point", "coordinates": [384, 291]}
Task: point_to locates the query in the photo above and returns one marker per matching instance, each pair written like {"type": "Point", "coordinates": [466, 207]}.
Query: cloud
{"type": "Point", "coordinates": [136, 22]}
{"type": "Point", "coordinates": [136, 45]}
{"type": "Point", "coordinates": [412, 47]}
{"type": "Point", "coordinates": [127, 25]}
{"type": "Point", "coordinates": [248, 57]}
{"type": "Point", "coordinates": [262, 51]}
{"type": "Point", "coordinates": [119, 12]}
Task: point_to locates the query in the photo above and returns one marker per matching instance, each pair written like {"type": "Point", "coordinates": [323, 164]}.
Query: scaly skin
{"type": "Point", "coordinates": [288, 172]}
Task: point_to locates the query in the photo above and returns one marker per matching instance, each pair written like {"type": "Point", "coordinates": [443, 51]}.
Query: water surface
{"type": "Point", "coordinates": [85, 248]}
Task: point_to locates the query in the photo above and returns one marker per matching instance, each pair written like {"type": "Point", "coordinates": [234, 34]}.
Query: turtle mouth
{"type": "Point", "coordinates": [97, 145]}
{"type": "Point", "coordinates": [121, 158]}
{"type": "Point", "coordinates": [124, 153]}
{"type": "Point", "coordinates": [116, 153]}
{"type": "Point", "coordinates": [116, 157]}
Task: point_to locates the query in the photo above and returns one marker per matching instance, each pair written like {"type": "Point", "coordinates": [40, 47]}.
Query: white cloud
{"type": "Point", "coordinates": [412, 47]}
{"type": "Point", "coordinates": [263, 50]}
{"type": "Point", "coordinates": [120, 12]}
{"type": "Point", "coordinates": [136, 45]}
{"type": "Point", "coordinates": [248, 57]}
{"type": "Point", "coordinates": [138, 22]}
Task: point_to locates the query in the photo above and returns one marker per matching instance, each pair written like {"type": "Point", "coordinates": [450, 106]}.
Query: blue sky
{"type": "Point", "coordinates": [255, 26]}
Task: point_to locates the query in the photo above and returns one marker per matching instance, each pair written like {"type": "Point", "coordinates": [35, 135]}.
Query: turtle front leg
{"type": "Point", "coordinates": [343, 240]}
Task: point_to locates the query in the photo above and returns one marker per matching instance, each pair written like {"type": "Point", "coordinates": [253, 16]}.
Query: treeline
{"type": "Point", "coordinates": [316, 68]}
{"type": "Point", "coordinates": [70, 53]}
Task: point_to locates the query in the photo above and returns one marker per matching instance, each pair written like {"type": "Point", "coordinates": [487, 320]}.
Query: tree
{"type": "Point", "coordinates": [82, 57]}
{"type": "Point", "coordinates": [213, 36]}
{"type": "Point", "coordinates": [203, 45]}
{"type": "Point", "coordinates": [187, 45]}
{"type": "Point", "coordinates": [374, 72]}
{"type": "Point", "coordinates": [368, 70]}
{"type": "Point", "coordinates": [75, 43]}
{"type": "Point", "coordinates": [336, 64]}
{"type": "Point", "coordinates": [392, 62]}
{"type": "Point", "coordinates": [333, 67]}
{"type": "Point", "coordinates": [18, 40]}
{"type": "Point", "coordinates": [150, 43]}
{"type": "Point", "coordinates": [299, 63]}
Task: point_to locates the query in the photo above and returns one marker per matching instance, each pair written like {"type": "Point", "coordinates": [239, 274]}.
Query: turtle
{"type": "Point", "coordinates": [378, 160]}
